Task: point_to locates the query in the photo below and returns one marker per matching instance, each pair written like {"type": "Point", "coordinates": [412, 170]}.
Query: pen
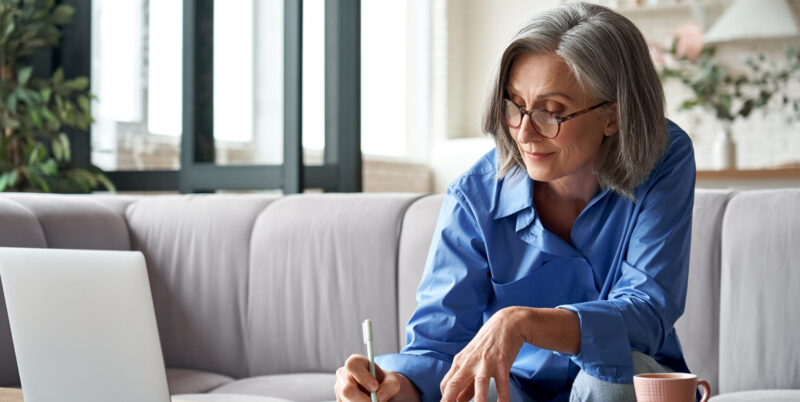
{"type": "Point", "coordinates": [367, 329]}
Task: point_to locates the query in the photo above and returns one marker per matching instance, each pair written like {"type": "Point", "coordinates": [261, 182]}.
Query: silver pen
{"type": "Point", "coordinates": [367, 329]}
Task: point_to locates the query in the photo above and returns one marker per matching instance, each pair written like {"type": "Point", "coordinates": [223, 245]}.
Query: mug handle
{"type": "Point", "coordinates": [706, 390]}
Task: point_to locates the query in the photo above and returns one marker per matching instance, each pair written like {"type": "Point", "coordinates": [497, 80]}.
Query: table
{"type": "Point", "coordinates": [15, 395]}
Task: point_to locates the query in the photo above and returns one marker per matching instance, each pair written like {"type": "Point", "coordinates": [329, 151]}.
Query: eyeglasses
{"type": "Point", "coordinates": [545, 123]}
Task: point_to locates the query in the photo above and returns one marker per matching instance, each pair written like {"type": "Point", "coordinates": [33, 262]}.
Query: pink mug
{"type": "Point", "coordinates": [669, 387]}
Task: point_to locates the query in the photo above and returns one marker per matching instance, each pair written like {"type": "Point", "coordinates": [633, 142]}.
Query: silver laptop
{"type": "Point", "coordinates": [83, 325]}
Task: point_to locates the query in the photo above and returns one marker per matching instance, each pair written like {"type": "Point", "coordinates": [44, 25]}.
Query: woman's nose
{"type": "Point", "coordinates": [526, 132]}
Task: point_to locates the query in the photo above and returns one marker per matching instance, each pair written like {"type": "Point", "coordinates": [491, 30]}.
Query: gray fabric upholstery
{"type": "Point", "coordinates": [760, 302]}
{"type": "Point", "coordinates": [415, 241]}
{"type": "Point", "coordinates": [197, 250]}
{"type": "Point", "coordinates": [319, 266]}
{"type": "Point", "coordinates": [182, 381]}
{"type": "Point", "coordinates": [249, 286]}
{"type": "Point", "coordinates": [698, 328]}
{"type": "Point", "coordinates": [299, 387]}
{"type": "Point", "coordinates": [77, 222]}
{"type": "Point", "coordinates": [764, 395]}
{"type": "Point", "coordinates": [18, 228]}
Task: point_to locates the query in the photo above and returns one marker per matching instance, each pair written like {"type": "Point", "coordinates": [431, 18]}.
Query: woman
{"type": "Point", "coordinates": [559, 263]}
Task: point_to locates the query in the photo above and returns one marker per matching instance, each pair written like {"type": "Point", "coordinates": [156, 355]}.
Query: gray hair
{"type": "Point", "coordinates": [610, 60]}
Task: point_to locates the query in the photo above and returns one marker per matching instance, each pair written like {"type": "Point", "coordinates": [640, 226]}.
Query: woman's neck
{"type": "Point", "coordinates": [577, 188]}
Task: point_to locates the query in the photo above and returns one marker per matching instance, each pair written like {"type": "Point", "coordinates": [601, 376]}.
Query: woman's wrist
{"type": "Point", "coordinates": [548, 328]}
{"type": "Point", "coordinates": [408, 391]}
{"type": "Point", "coordinates": [523, 320]}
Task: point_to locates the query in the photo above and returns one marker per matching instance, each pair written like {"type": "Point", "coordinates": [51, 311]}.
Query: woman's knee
{"type": "Point", "coordinates": [588, 388]}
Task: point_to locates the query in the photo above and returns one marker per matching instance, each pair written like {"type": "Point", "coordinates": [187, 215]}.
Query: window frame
{"type": "Point", "coordinates": [342, 168]}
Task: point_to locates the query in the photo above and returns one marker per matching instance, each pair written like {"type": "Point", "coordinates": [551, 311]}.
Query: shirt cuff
{"type": "Point", "coordinates": [605, 351]}
{"type": "Point", "coordinates": [424, 371]}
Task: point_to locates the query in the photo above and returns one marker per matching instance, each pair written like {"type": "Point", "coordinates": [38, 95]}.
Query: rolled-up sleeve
{"type": "Point", "coordinates": [451, 299]}
{"type": "Point", "coordinates": [649, 293]}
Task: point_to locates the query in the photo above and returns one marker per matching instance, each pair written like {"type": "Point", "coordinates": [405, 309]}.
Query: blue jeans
{"type": "Point", "coordinates": [589, 389]}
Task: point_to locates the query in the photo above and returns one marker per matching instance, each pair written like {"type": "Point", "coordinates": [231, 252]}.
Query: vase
{"type": "Point", "coordinates": [724, 147]}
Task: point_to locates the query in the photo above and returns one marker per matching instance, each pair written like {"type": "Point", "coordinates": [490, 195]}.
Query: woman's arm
{"type": "Point", "coordinates": [549, 328]}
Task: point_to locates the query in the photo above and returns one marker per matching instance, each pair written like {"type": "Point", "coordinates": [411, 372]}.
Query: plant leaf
{"type": "Point", "coordinates": [46, 92]}
{"type": "Point", "coordinates": [78, 84]}
{"type": "Point", "coordinates": [50, 167]}
{"type": "Point", "coordinates": [106, 182]}
{"type": "Point", "coordinates": [58, 76]}
{"type": "Point", "coordinates": [65, 146]}
{"type": "Point", "coordinates": [83, 102]}
{"type": "Point", "coordinates": [24, 75]}
{"type": "Point", "coordinates": [58, 150]}
{"type": "Point", "coordinates": [62, 14]}
{"type": "Point", "coordinates": [12, 101]}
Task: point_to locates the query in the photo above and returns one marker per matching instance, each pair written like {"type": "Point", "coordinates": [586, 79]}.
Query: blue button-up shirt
{"type": "Point", "coordinates": [624, 273]}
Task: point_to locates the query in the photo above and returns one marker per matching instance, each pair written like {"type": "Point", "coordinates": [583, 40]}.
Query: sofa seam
{"type": "Point", "coordinates": [397, 258]}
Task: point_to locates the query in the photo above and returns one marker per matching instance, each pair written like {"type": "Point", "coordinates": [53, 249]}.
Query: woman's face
{"type": "Point", "coordinates": [544, 81]}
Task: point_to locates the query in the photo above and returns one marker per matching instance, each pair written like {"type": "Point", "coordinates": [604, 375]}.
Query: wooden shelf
{"type": "Point", "coordinates": [748, 174]}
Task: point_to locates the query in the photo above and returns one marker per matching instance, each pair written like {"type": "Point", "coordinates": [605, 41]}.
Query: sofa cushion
{"type": "Point", "coordinates": [415, 241]}
{"type": "Point", "coordinates": [299, 387]}
{"type": "Point", "coordinates": [759, 298]}
{"type": "Point", "coordinates": [319, 266]}
{"type": "Point", "coordinates": [76, 221]}
{"type": "Point", "coordinates": [182, 381]}
{"type": "Point", "coordinates": [698, 328]}
{"type": "Point", "coordinates": [766, 395]}
{"type": "Point", "coordinates": [18, 228]}
{"type": "Point", "coordinates": [197, 250]}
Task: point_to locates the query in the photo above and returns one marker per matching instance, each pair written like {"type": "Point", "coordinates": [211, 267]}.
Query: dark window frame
{"type": "Point", "coordinates": [342, 168]}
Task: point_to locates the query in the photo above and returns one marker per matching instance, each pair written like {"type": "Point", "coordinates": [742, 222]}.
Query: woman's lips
{"type": "Point", "coordinates": [537, 156]}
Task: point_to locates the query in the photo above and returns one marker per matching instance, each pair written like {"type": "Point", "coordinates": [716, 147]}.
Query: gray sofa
{"type": "Point", "coordinates": [261, 295]}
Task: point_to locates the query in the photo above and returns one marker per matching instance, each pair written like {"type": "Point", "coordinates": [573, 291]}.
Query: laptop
{"type": "Point", "coordinates": [83, 325]}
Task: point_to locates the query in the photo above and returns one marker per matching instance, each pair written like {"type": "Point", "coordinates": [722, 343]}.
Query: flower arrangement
{"type": "Point", "coordinates": [716, 88]}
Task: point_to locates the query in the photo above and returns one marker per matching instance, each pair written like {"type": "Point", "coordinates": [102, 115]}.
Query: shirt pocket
{"type": "Point", "coordinates": [532, 290]}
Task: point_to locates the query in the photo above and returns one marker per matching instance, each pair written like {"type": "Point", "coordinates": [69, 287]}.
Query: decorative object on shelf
{"type": "Point", "coordinates": [753, 20]}
{"type": "Point", "coordinates": [34, 150]}
{"type": "Point", "coordinates": [727, 95]}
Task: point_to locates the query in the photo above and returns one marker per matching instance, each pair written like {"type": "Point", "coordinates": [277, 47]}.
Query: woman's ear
{"type": "Point", "coordinates": [611, 121]}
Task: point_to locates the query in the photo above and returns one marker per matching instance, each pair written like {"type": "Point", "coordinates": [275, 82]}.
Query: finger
{"type": "Point", "coordinates": [450, 373]}
{"type": "Point", "coordinates": [467, 393]}
{"type": "Point", "coordinates": [503, 391]}
{"type": "Point", "coordinates": [389, 387]}
{"type": "Point", "coordinates": [358, 368]}
{"type": "Point", "coordinates": [481, 386]}
{"type": "Point", "coordinates": [340, 381]}
{"type": "Point", "coordinates": [380, 375]}
{"type": "Point", "coordinates": [455, 385]}
{"type": "Point", "coordinates": [353, 392]}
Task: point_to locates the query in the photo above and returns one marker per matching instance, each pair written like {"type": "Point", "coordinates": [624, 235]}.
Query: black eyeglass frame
{"type": "Point", "coordinates": [559, 119]}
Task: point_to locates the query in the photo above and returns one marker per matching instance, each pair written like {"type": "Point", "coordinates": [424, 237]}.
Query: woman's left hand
{"type": "Point", "coordinates": [490, 354]}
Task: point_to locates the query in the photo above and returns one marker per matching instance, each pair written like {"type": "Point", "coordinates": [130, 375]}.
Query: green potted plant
{"type": "Point", "coordinates": [724, 94]}
{"type": "Point", "coordinates": [34, 151]}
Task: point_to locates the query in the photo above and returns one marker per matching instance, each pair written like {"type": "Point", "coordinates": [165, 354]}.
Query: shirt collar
{"type": "Point", "coordinates": [513, 193]}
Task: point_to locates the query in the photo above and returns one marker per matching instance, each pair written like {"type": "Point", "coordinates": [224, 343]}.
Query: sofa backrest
{"type": "Point", "coordinates": [197, 249]}
{"type": "Point", "coordinates": [250, 285]}
{"type": "Point", "coordinates": [319, 266]}
{"type": "Point", "coordinates": [760, 292]}
{"type": "Point", "coordinates": [698, 328]}
{"type": "Point", "coordinates": [55, 221]}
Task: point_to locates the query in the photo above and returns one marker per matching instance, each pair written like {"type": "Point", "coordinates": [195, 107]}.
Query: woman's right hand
{"type": "Point", "coordinates": [354, 383]}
